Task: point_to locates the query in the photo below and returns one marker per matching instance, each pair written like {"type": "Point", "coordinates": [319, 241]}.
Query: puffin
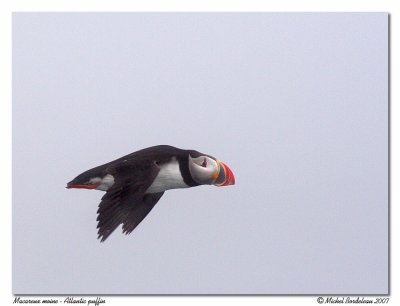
{"type": "Point", "coordinates": [135, 183]}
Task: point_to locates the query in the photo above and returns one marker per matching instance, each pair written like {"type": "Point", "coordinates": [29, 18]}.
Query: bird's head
{"type": "Point", "coordinates": [207, 170]}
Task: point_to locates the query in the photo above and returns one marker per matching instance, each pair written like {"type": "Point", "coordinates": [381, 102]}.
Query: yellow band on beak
{"type": "Point", "coordinates": [216, 172]}
{"type": "Point", "coordinates": [214, 175]}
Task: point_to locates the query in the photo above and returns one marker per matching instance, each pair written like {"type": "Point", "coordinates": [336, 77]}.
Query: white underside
{"type": "Point", "coordinates": [106, 182]}
{"type": "Point", "coordinates": [169, 177]}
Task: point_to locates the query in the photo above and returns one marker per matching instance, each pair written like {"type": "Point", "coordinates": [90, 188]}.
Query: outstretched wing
{"type": "Point", "coordinates": [126, 202]}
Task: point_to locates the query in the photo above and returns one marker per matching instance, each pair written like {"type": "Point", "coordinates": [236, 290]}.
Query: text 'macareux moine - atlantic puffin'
{"type": "Point", "coordinates": [134, 183]}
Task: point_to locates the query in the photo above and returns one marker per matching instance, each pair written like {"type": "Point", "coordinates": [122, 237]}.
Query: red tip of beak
{"type": "Point", "coordinates": [230, 178]}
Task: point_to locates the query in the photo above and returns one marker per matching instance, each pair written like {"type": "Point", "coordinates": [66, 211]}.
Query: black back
{"type": "Point", "coordinates": [160, 154]}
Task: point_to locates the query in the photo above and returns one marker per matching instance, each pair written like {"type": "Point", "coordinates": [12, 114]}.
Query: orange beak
{"type": "Point", "coordinates": [225, 176]}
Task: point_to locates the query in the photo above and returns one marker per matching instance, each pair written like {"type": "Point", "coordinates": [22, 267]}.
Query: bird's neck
{"type": "Point", "coordinates": [169, 177]}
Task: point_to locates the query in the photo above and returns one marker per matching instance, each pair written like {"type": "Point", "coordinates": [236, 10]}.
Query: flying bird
{"type": "Point", "coordinates": [135, 183]}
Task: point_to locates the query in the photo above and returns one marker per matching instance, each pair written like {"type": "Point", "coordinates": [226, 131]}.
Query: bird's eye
{"type": "Point", "coordinates": [204, 163]}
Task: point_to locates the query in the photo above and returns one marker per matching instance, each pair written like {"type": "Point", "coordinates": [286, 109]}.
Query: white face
{"type": "Point", "coordinates": [203, 169]}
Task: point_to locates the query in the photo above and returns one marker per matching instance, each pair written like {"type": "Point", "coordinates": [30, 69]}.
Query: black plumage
{"type": "Point", "coordinates": [128, 199]}
{"type": "Point", "coordinates": [126, 202]}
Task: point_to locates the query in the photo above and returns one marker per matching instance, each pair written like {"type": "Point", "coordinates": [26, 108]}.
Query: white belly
{"type": "Point", "coordinates": [169, 177]}
{"type": "Point", "coordinates": [106, 183]}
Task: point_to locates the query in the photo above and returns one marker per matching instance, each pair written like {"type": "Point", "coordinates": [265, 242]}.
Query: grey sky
{"type": "Point", "coordinates": [295, 104]}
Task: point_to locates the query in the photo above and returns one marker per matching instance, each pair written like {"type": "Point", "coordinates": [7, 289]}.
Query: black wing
{"type": "Point", "coordinates": [126, 202]}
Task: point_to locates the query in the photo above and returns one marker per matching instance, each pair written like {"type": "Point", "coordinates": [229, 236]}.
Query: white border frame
{"type": "Point", "coordinates": [9, 6]}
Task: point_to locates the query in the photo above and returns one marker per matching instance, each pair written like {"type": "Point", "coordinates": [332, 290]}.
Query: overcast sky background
{"type": "Point", "coordinates": [295, 104]}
